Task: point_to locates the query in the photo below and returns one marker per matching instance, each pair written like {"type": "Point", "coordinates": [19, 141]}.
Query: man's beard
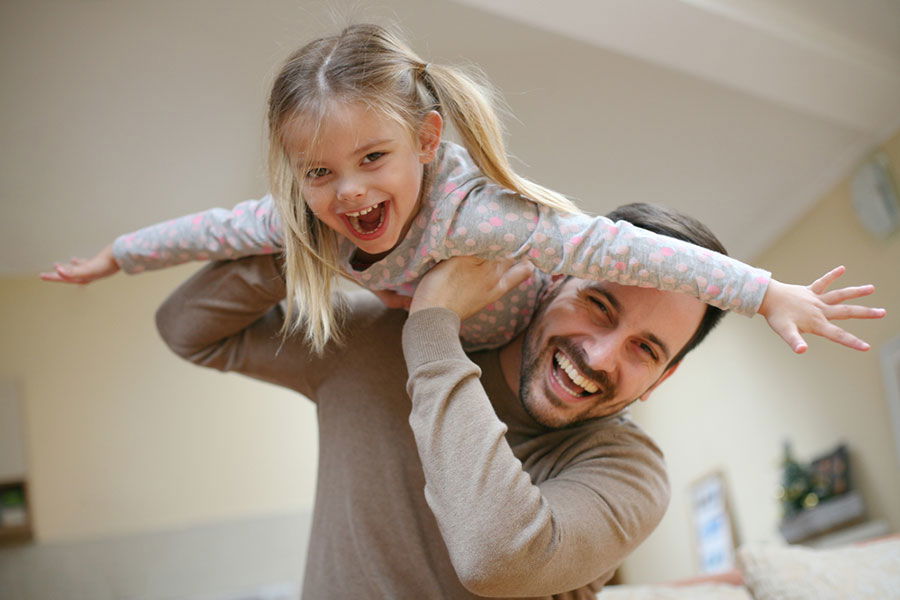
{"type": "Point", "coordinates": [531, 368]}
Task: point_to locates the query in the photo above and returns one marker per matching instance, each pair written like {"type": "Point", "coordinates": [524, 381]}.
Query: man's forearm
{"type": "Point", "coordinates": [507, 535]}
{"type": "Point", "coordinates": [227, 317]}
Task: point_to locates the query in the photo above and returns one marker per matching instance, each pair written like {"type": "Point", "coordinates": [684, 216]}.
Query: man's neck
{"type": "Point", "coordinates": [511, 362]}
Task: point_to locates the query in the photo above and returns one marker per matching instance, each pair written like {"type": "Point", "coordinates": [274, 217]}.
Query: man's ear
{"type": "Point", "coordinates": [430, 136]}
{"type": "Point", "coordinates": [668, 373]}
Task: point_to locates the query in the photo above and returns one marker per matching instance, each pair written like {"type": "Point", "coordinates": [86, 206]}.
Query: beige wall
{"type": "Point", "coordinates": [123, 436]}
{"type": "Point", "coordinates": [742, 393]}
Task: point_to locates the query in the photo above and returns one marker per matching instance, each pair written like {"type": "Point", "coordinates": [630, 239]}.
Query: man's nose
{"type": "Point", "coordinates": [602, 353]}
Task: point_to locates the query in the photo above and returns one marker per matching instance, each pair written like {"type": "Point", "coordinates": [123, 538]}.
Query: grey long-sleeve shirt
{"type": "Point", "coordinates": [465, 213]}
{"type": "Point", "coordinates": [452, 491]}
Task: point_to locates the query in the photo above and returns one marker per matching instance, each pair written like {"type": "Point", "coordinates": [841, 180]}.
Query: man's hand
{"type": "Point", "coordinates": [466, 284]}
{"type": "Point", "coordinates": [79, 270]}
{"type": "Point", "coordinates": [795, 309]}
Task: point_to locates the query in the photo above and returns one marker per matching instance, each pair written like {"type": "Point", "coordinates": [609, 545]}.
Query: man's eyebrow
{"type": "Point", "coordinates": [597, 288]}
{"type": "Point", "coordinates": [662, 346]}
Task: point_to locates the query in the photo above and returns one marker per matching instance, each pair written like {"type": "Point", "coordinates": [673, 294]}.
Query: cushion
{"type": "Point", "coordinates": [870, 572]}
{"type": "Point", "coordinates": [704, 591]}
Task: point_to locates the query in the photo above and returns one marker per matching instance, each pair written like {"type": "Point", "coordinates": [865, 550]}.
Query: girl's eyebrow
{"type": "Point", "coordinates": [369, 145]}
{"type": "Point", "coordinates": [364, 149]}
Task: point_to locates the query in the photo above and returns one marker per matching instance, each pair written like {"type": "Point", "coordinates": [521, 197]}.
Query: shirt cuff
{"type": "Point", "coordinates": [430, 335]}
{"type": "Point", "coordinates": [122, 255]}
{"type": "Point", "coordinates": [763, 278]}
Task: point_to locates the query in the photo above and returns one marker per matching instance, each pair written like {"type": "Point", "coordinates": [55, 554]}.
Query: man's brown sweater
{"type": "Point", "coordinates": [448, 491]}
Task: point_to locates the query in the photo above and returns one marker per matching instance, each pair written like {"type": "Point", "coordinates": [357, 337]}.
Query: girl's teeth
{"type": "Point", "coordinates": [362, 212]}
{"type": "Point", "coordinates": [589, 386]}
{"type": "Point", "coordinates": [354, 219]}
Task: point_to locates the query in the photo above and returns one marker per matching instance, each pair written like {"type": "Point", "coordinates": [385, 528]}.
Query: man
{"type": "Point", "coordinates": [510, 473]}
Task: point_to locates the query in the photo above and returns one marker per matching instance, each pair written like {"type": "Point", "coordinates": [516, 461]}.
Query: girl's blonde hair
{"type": "Point", "coordinates": [370, 66]}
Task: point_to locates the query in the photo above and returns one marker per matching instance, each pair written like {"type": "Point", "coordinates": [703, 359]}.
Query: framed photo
{"type": "Point", "coordinates": [830, 474]}
{"type": "Point", "coordinates": [715, 537]}
{"type": "Point", "coordinates": [890, 368]}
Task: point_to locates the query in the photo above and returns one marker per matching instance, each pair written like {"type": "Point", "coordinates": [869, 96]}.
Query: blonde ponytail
{"type": "Point", "coordinates": [469, 105]}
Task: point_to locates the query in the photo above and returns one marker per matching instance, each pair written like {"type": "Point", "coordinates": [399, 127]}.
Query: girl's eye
{"type": "Point", "coordinates": [372, 157]}
{"type": "Point", "coordinates": [316, 173]}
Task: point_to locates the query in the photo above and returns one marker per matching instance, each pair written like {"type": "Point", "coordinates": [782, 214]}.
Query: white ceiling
{"type": "Point", "coordinates": [114, 115]}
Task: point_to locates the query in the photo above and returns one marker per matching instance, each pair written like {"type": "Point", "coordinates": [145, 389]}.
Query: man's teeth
{"type": "Point", "coordinates": [589, 386]}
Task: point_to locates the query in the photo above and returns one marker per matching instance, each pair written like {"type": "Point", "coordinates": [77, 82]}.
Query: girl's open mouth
{"type": "Point", "coordinates": [368, 223]}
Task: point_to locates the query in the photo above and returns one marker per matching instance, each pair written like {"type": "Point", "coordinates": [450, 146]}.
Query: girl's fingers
{"type": "Point", "coordinates": [55, 276]}
{"type": "Point", "coordinates": [847, 293]}
{"type": "Point", "coordinates": [790, 334]}
{"type": "Point", "coordinates": [69, 274]}
{"type": "Point", "coordinates": [845, 338]}
{"type": "Point", "coordinates": [821, 284]}
{"type": "Point", "coordinates": [852, 311]}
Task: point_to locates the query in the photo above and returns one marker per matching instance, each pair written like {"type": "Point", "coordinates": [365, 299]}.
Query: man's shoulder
{"type": "Point", "coordinates": [364, 319]}
{"type": "Point", "coordinates": [615, 435]}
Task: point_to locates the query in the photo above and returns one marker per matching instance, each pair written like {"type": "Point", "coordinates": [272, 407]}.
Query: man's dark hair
{"type": "Point", "coordinates": [665, 221]}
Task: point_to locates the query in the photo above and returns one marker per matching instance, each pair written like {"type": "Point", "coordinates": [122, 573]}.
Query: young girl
{"type": "Point", "coordinates": [365, 188]}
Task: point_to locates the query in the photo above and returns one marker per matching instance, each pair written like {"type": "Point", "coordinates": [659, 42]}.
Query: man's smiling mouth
{"type": "Point", "coordinates": [567, 375]}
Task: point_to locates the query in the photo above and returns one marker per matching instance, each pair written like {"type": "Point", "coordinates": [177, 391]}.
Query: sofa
{"type": "Point", "coordinates": [869, 571]}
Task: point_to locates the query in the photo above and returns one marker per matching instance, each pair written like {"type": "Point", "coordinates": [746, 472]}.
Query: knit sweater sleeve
{"type": "Point", "coordinates": [506, 535]}
{"type": "Point", "coordinates": [250, 228]}
{"type": "Point", "coordinates": [227, 316]}
{"type": "Point", "coordinates": [481, 218]}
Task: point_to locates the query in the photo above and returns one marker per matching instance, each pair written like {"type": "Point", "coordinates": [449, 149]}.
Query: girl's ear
{"type": "Point", "coordinates": [430, 136]}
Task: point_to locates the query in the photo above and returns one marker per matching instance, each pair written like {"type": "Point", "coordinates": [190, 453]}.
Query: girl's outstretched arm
{"type": "Point", "coordinates": [486, 221]}
{"type": "Point", "coordinates": [252, 227]}
{"type": "Point", "coordinates": [794, 309]}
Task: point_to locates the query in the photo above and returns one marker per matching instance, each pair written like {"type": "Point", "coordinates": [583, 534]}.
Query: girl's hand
{"type": "Point", "coordinates": [84, 271]}
{"type": "Point", "coordinates": [795, 309]}
{"type": "Point", "coordinates": [466, 284]}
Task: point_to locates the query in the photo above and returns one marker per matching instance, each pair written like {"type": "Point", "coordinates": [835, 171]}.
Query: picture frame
{"type": "Point", "coordinates": [830, 473]}
{"type": "Point", "coordinates": [890, 369]}
{"type": "Point", "coordinates": [712, 522]}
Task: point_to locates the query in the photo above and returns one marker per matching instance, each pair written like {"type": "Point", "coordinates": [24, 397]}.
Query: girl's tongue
{"type": "Point", "coordinates": [370, 219]}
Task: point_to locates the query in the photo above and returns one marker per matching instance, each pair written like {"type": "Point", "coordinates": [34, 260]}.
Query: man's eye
{"type": "Point", "coordinates": [648, 349]}
{"type": "Point", "coordinates": [316, 173]}
{"type": "Point", "coordinates": [372, 157]}
{"type": "Point", "coordinates": [599, 304]}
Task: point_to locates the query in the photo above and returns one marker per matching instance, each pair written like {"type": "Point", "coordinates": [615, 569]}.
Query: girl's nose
{"type": "Point", "coordinates": [350, 188]}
